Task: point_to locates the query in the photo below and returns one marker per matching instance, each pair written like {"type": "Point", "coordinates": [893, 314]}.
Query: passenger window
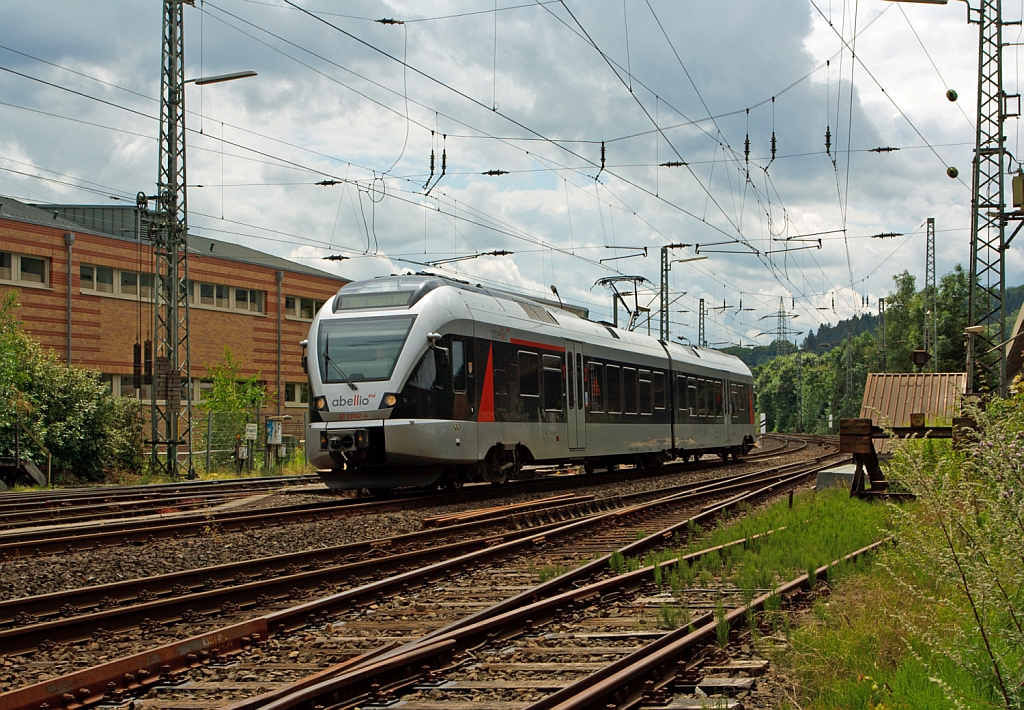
{"type": "Point", "coordinates": [552, 383]}
{"type": "Point", "coordinates": [658, 380]}
{"type": "Point", "coordinates": [596, 387]}
{"type": "Point", "coordinates": [529, 374]}
{"type": "Point", "coordinates": [645, 392]}
{"type": "Point", "coordinates": [691, 395]}
{"type": "Point", "coordinates": [614, 382]}
{"type": "Point", "coordinates": [579, 379]}
{"type": "Point", "coordinates": [500, 391]}
{"type": "Point", "coordinates": [570, 378]}
{"type": "Point", "coordinates": [629, 390]}
{"type": "Point", "coordinates": [459, 377]}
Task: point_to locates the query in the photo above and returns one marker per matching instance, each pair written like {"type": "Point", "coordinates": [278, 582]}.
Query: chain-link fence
{"type": "Point", "coordinates": [224, 442]}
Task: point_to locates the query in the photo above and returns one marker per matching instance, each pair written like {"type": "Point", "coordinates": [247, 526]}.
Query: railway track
{"type": "Point", "coordinates": [374, 613]}
{"type": "Point", "coordinates": [57, 539]}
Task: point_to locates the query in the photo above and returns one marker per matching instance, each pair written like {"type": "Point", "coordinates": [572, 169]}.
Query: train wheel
{"type": "Point", "coordinates": [452, 485]}
{"type": "Point", "coordinates": [724, 455]}
{"type": "Point", "coordinates": [588, 467]}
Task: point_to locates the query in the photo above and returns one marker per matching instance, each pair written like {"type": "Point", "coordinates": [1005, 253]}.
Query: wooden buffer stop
{"type": "Point", "coordinates": [899, 404]}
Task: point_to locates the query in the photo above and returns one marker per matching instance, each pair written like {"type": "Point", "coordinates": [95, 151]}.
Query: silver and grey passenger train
{"type": "Point", "coordinates": [420, 380]}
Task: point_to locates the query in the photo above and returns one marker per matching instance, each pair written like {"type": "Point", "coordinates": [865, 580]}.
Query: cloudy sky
{"type": "Point", "coordinates": [534, 89]}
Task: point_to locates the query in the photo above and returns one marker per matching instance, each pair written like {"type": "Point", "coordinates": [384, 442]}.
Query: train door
{"type": "Point", "coordinates": [577, 418]}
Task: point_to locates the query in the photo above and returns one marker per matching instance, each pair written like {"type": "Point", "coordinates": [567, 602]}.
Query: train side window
{"type": "Point", "coordinates": [613, 379]}
{"type": "Point", "coordinates": [719, 386]}
{"type": "Point", "coordinates": [629, 390]}
{"type": "Point", "coordinates": [552, 383]}
{"type": "Point", "coordinates": [500, 391]}
{"type": "Point", "coordinates": [579, 379]}
{"type": "Point", "coordinates": [681, 393]}
{"type": "Point", "coordinates": [570, 379]}
{"type": "Point", "coordinates": [596, 387]}
{"type": "Point", "coordinates": [529, 374]}
{"type": "Point", "coordinates": [459, 377]}
{"type": "Point", "coordinates": [691, 395]}
{"type": "Point", "coordinates": [646, 394]}
{"type": "Point", "coordinates": [702, 398]}
{"type": "Point", "coordinates": [658, 378]}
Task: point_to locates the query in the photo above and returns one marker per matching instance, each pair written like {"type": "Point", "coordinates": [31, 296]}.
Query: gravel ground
{"type": "Point", "coordinates": [26, 577]}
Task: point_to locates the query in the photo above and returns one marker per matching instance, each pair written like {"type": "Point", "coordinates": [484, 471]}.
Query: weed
{"type": "Point", "coordinates": [549, 572]}
{"type": "Point", "coordinates": [721, 624]}
{"type": "Point", "coordinates": [617, 562]}
{"type": "Point", "coordinates": [669, 616]}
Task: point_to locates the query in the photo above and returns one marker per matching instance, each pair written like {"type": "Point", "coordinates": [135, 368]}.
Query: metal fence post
{"type": "Point", "coordinates": [209, 437]}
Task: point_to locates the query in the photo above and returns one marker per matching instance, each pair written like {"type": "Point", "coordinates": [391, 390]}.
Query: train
{"type": "Point", "coordinates": [422, 380]}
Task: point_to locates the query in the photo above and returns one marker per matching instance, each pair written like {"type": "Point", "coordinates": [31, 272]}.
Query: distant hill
{"type": "Point", "coordinates": [829, 336]}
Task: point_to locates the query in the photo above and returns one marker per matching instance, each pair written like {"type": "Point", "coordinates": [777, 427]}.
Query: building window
{"type": "Point", "coordinates": [296, 394]}
{"type": "Point", "coordinates": [23, 268]}
{"type": "Point", "coordinates": [33, 269]}
{"type": "Point", "coordinates": [146, 286]}
{"type": "Point", "coordinates": [206, 294]}
{"type": "Point", "coordinates": [104, 279]}
{"type": "Point", "coordinates": [87, 277]}
{"type": "Point", "coordinates": [304, 308]}
{"type": "Point", "coordinates": [129, 283]}
{"type": "Point", "coordinates": [227, 298]}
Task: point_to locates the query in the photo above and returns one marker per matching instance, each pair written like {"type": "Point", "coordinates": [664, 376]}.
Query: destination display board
{"type": "Point", "coordinates": [390, 299]}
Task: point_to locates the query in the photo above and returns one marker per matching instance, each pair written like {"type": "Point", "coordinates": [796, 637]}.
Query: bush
{"type": "Point", "coordinates": [67, 408]}
{"type": "Point", "coordinates": [961, 550]}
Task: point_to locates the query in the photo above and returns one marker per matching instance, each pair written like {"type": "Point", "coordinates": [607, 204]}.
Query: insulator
{"type": "Point", "coordinates": [746, 149]}
{"type": "Point", "coordinates": [773, 145]}
{"type": "Point", "coordinates": [828, 140]}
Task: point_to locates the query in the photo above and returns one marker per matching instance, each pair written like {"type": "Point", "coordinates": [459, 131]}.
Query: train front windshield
{"type": "Point", "coordinates": [360, 349]}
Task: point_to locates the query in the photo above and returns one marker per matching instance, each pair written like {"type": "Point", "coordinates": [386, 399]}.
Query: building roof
{"type": "Point", "coordinates": [119, 222]}
{"type": "Point", "coordinates": [890, 398]}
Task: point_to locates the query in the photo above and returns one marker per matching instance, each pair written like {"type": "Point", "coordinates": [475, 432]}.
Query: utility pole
{"type": "Point", "coordinates": [849, 374]}
{"type": "Point", "coordinates": [666, 265]}
{"type": "Point", "coordinates": [701, 340]}
{"type": "Point", "coordinates": [881, 327]}
{"type": "Point", "coordinates": [170, 236]}
{"type": "Point", "coordinates": [987, 277]}
{"type": "Point", "coordinates": [931, 323]}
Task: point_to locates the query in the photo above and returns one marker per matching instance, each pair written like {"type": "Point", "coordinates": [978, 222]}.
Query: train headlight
{"type": "Point", "coordinates": [320, 404]}
{"type": "Point", "coordinates": [390, 401]}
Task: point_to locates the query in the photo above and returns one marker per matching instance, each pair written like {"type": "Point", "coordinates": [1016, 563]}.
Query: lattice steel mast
{"type": "Point", "coordinates": [172, 417]}
{"type": "Point", "coordinates": [931, 327]}
{"type": "Point", "coordinates": [988, 282]}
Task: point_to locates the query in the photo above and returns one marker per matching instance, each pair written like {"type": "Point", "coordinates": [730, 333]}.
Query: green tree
{"type": "Point", "coordinates": [231, 403]}
{"type": "Point", "coordinates": [68, 409]}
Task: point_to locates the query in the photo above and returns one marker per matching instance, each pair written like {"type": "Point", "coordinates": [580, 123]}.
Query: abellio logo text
{"type": "Point", "coordinates": [353, 401]}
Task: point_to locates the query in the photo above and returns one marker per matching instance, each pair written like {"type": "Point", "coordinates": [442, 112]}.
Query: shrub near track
{"type": "Point", "coordinates": [819, 529]}
{"type": "Point", "coordinates": [939, 622]}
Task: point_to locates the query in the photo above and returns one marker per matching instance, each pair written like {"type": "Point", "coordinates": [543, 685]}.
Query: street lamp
{"type": "Point", "coordinates": [218, 78]}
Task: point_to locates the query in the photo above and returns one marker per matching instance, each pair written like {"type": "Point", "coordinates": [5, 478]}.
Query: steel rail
{"type": "Point", "coordinates": [193, 652]}
{"type": "Point", "coordinates": [517, 614]}
{"type": "Point", "coordinates": [37, 608]}
{"type": "Point", "coordinates": [190, 605]}
{"type": "Point", "coordinates": [14, 544]}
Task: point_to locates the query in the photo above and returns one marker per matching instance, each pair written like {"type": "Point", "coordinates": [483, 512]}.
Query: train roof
{"type": "Point", "coordinates": [548, 319]}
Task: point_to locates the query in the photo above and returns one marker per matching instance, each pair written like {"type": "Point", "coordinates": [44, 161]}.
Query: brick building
{"type": "Point", "coordinates": [257, 304]}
